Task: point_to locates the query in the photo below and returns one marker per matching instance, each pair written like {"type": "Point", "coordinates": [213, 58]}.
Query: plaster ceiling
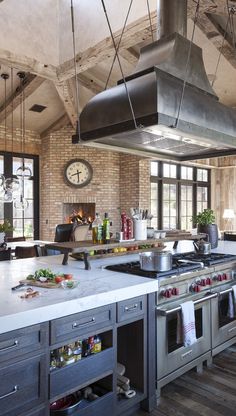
{"type": "Point", "coordinates": [50, 55]}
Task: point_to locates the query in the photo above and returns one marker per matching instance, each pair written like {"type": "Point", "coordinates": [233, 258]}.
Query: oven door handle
{"type": "Point", "coordinates": [165, 312]}
{"type": "Point", "coordinates": [225, 291]}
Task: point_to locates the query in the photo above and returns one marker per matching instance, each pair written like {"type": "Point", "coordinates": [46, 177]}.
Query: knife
{"type": "Point", "coordinates": [18, 286]}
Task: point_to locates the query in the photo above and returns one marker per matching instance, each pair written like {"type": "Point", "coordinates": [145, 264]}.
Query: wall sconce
{"type": "Point", "coordinates": [229, 215]}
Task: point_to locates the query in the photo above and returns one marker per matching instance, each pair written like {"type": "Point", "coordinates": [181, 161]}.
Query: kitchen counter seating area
{"type": "Point", "coordinates": [126, 312]}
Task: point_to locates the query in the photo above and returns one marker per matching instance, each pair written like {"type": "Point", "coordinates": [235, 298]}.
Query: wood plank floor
{"type": "Point", "coordinates": [212, 393]}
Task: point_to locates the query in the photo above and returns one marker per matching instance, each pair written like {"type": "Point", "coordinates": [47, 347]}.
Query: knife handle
{"type": "Point", "coordinates": [18, 286]}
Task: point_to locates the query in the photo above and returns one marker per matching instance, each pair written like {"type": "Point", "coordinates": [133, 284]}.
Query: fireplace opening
{"type": "Point", "coordinates": [81, 213]}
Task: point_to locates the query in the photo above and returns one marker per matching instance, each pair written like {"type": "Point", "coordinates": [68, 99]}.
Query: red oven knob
{"type": "Point", "coordinates": [175, 291]}
{"type": "Point", "coordinates": [166, 293]}
{"type": "Point", "coordinates": [197, 288]}
{"type": "Point", "coordinates": [209, 281]}
{"type": "Point", "coordinates": [220, 278]}
{"type": "Point", "coordinates": [203, 282]}
{"type": "Point", "coordinates": [225, 276]}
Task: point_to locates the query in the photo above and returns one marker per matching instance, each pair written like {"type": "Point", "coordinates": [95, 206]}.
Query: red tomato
{"type": "Point", "coordinates": [68, 276]}
{"type": "Point", "coordinates": [58, 279]}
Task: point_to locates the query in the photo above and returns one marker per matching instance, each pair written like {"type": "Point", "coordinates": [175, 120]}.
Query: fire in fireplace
{"type": "Point", "coordinates": [82, 213]}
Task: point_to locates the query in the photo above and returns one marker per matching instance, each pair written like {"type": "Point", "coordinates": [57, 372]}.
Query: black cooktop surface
{"type": "Point", "coordinates": [133, 267]}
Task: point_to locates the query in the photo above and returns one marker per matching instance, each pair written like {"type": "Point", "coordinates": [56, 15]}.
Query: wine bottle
{"type": "Point", "coordinates": [106, 229]}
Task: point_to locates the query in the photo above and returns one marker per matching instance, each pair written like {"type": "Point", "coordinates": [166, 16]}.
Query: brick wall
{"type": "Point", "coordinates": [119, 181]}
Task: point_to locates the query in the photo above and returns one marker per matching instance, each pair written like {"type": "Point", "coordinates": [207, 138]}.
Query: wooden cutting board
{"type": "Point", "coordinates": [48, 285]}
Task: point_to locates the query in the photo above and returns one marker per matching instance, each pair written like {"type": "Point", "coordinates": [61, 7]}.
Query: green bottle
{"type": "Point", "coordinates": [106, 229]}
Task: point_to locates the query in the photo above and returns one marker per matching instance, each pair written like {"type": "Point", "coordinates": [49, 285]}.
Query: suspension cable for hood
{"type": "Point", "coordinates": [175, 125]}
{"type": "Point", "coordinates": [118, 46]}
{"type": "Point", "coordinates": [121, 69]}
{"type": "Point", "coordinates": [231, 19]}
{"type": "Point", "coordinates": [220, 54]}
{"type": "Point", "coordinates": [150, 20]}
{"type": "Point", "coordinates": [75, 68]}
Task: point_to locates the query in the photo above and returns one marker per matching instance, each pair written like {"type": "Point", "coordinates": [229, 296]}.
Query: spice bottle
{"type": "Point", "coordinates": [97, 344]}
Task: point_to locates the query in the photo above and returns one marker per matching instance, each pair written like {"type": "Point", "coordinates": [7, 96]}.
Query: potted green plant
{"type": "Point", "coordinates": [5, 226]}
{"type": "Point", "coordinates": [205, 222]}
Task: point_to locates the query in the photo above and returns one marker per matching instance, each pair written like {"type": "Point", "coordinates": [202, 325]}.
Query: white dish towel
{"type": "Point", "coordinates": [188, 323]}
{"type": "Point", "coordinates": [232, 302]}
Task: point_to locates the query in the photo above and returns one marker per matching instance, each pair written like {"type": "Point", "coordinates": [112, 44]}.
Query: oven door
{"type": "Point", "coordinates": [172, 355]}
{"type": "Point", "coordinates": [223, 318]}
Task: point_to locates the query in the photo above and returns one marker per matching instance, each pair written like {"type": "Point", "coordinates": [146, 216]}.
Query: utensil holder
{"type": "Point", "coordinates": [140, 229]}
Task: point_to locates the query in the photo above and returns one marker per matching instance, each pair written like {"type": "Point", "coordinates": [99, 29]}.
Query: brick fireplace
{"type": "Point", "coordinates": [81, 212]}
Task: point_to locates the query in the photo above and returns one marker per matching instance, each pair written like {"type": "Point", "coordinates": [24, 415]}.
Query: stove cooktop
{"type": "Point", "coordinates": [133, 267]}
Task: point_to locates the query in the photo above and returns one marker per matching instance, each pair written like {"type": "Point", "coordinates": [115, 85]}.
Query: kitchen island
{"type": "Point", "coordinates": [119, 308]}
{"type": "Point", "coordinates": [114, 306]}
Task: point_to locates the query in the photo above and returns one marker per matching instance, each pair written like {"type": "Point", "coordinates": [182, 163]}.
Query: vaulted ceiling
{"type": "Point", "coordinates": [36, 37]}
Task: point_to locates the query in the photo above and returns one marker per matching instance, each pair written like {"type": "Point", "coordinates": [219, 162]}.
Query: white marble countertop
{"type": "Point", "coordinates": [97, 287]}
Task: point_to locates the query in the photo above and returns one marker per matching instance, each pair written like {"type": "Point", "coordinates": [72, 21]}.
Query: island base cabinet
{"type": "Point", "coordinates": [24, 387]}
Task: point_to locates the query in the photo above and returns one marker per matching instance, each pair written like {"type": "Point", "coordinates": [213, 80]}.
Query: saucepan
{"type": "Point", "coordinates": [156, 261]}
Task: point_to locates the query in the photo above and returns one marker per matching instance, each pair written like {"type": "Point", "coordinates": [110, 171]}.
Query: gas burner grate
{"type": "Point", "coordinates": [208, 259]}
{"type": "Point", "coordinates": [133, 267]}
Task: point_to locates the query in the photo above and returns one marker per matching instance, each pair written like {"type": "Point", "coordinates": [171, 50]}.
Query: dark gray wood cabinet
{"type": "Point", "coordinates": [31, 384]}
{"type": "Point", "coordinates": [23, 367]}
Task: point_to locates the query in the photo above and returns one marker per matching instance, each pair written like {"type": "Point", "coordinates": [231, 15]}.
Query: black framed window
{"type": "Point", "coordinates": [25, 222]}
{"type": "Point", "coordinates": [177, 193]}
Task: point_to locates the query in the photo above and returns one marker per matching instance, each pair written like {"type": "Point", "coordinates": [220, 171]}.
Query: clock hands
{"type": "Point", "coordinates": [77, 173]}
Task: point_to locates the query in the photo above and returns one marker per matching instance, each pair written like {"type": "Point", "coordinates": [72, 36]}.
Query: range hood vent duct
{"type": "Point", "coordinates": [205, 128]}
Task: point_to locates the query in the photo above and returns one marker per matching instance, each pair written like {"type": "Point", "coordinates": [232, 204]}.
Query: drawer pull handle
{"type": "Point", "coordinates": [186, 354]}
{"type": "Point", "coordinates": [76, 325]}
{"type": "Point", "coordinates": [232, 329]}
{"type": "Point", "coordinates": [15, 344]}
{"type": "Point", "coordinates": [131, 308]}
{"type": "Point", "coordinates": [15, 389]}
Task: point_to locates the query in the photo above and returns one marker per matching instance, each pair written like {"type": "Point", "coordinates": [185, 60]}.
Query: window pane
{"type": "Point", "coordinates": [186, 173]}
{"type": "Point", "coordinates": [28, 188]}
{"type": "Point", "coordinates": [169, 170]}
{"type": "Point", "coordinates": [18, 227]}
{"type": "Point", "coordinates": [29, 228]}
{"type": "Point", "coordinates": [153, 190]}
{"type": "Point", "coordinates": [169, 205]}
{"type": "Point", "coordinates": [186, 206]}
{"type": "Point", "coordinates": [154, 168]}
{"type": "Point", "coordinates": [202, 175]}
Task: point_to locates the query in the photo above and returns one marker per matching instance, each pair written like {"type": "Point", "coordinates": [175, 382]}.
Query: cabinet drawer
{"type": "Point", "coordinates": [81, 373]}
{"type": "Point", "coordinates": [40, 411]}
{"type": "Point", "coordinates": [21, 341]}
{"type": "Point", "coordinates": [131, 308]}
{"type": "Point", "coordinates": [101, 406]}
{"type": "Point", "coordinates": [64, 329]}
{"type": "Point", "coordinates": [24, 386]}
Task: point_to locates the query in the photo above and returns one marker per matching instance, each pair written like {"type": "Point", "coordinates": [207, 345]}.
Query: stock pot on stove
{"type": "Point", "coordinates": [156, 261]}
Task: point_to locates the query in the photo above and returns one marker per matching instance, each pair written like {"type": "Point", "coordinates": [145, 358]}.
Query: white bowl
{"type": "Point", "coordinates": [69, 284]}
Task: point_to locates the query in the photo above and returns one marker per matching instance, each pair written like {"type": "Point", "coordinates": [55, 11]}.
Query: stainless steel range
{"type": "Point", "coordinates": [208, 282]}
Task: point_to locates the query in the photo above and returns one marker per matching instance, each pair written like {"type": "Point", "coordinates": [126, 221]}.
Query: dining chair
{"type": "Point", "coordinates": [5, 254]}
{"type": "Point", "coordinates": [63, 232]}
{"type": "Point", "coordinates": [23, 252]}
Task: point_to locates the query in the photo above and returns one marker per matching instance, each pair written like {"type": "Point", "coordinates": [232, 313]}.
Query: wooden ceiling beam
{"type": "Point", "coordinates": [209, 29]}
{"type": "Point", "coordinates": [65, 91]}
{"type": "Point", "coordinates": [209, 6]}
{"type": "Point", "coordinates": [130, 55]}
{"type": "Point", "coordinates": [135, 33]}
{"type": "Point", "coordinates": [57, 125]}
{"type": "Point", "coordinates": [29, 86]}
{"type": "Point", "coordinates": [88, 81]}
{"type": "Point", "coordinates": [26, 64]}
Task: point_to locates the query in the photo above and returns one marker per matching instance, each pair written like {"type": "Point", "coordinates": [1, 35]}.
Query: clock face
{"type": "Point", "coordinates": [78, 173]}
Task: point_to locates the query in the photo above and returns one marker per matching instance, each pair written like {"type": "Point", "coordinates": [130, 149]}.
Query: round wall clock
{"type": "Point", "coordinates": [78, 173]}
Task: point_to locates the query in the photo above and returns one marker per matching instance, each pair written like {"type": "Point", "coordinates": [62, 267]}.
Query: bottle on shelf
{"type": "Point", "coordinates": [106, 229]}
{"type": "Point", "coordinates": [97, 230]}
{"type": "Point", "coordinates": [97, 346]}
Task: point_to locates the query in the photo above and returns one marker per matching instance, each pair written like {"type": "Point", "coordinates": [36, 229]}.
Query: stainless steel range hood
{"type": "Point", "coordinates": [203, 128]}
